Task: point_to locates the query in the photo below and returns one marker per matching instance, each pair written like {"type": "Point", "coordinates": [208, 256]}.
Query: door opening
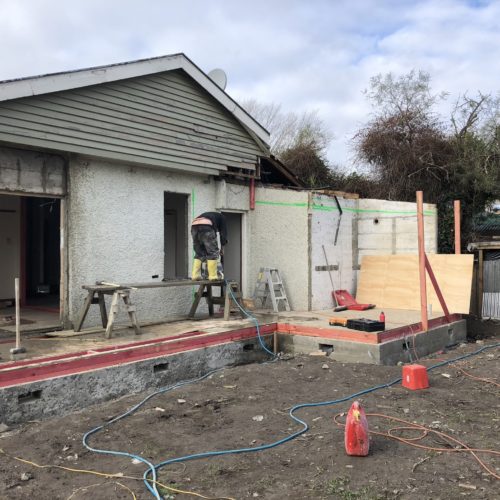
{"type": "Point", "coordinates": [233, 249]}
{"type": "Point", "coordinates": [30, 250]}
{"type": "Point", "coordinates": [41, 218]}
{"type": "Point", "coordinates": [175, 235]}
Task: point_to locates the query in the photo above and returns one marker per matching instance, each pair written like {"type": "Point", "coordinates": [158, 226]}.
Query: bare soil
{"type": "Point", "coordinates": [218, 413]}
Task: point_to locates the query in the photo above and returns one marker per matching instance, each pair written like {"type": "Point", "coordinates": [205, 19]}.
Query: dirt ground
{"type": "Point", "coordinates": [225, 410]}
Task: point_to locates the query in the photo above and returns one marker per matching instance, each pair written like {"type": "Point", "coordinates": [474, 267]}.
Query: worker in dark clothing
{"type": "Point", "coordinates": [204, 231]}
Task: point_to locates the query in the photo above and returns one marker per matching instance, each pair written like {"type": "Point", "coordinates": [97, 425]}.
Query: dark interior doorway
{"type": "Point", "coordinates": [175, 235]}
{"type": "Point", "coordinates": [232, 251]}
{"type": "Point", "coordinates": [40, 251]}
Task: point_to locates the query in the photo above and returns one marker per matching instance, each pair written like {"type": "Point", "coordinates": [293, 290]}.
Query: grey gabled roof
{"type": "Point", "coordinates": [44, 84]}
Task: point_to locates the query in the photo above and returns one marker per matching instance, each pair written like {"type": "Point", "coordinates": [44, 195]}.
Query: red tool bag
{"type": "Point", "coordinates": [344, 298]}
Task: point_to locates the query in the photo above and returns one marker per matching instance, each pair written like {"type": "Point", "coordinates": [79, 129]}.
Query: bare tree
{"type": "Point", "coordinates": [409, 148]}
{"type": "Point", "coordinates": [289, 129]}
{"type": "Point", "coordinates": [299, 140]}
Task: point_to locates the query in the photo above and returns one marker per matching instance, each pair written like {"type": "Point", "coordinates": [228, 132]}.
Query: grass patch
{"type": "Point", "coordinates": [339, 488]}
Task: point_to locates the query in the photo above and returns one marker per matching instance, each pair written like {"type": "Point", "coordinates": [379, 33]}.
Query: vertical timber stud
{"type": "Point", "coordinates": [421, 261]}
{"type": "Point", "coordinates": [18, 314]}
{"type": "Point", "coordinates": [480, 287]}
{"type": "Point", "coordinates": [309, 250]}
{"type": "Point", "coordinates": [456, 210]}
{"type": "Point", "coordinates": [64, 267]}
{"type": "Point", "coordinates": [252, 194]}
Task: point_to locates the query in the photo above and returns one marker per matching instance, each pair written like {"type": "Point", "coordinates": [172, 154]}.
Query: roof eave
{"type": "Point", "coordinates": [56, 82]}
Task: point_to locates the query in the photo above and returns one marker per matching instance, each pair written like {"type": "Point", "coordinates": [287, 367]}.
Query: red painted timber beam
{"type": "Point", "coordinates": [98, 360]}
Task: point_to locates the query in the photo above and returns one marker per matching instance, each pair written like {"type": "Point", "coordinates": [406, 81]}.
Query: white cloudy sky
{"type": "Point", "coordinates": [304, 54]}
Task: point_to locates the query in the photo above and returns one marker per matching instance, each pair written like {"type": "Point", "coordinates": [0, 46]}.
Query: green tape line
{"type": "Point", "coordinates": [281, 204]}
{"type": "Point", "coordinates": [332, 208]}
{"type": "Point", "coordinates": [327, 208]}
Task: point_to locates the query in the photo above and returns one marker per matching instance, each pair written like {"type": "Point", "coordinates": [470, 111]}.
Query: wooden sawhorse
{"type": "Point", "coordinates": [232, 289]}
{"type": "Point", "coordinates": [97, 292]}
{"type": "Point", "coordinates": [107, 321]}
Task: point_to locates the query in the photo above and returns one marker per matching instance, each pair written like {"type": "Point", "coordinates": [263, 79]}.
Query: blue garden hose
{"type": "Point", "coordinates": [254, 319]}
{"type": "Point", "coordinates": [150, 475]}
{"type": "Point", "coordinates": [305, 426]}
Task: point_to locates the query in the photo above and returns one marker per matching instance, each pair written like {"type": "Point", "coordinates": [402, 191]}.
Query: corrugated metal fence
{"type": "Point", "coordinates": [491, 291]}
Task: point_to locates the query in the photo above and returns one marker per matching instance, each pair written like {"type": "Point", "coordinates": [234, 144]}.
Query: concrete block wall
{"type": "Point", "coordinates": [31, 172]}
{"type": "Point", "coordinates": [325, 220]}
{"type": "Point", "coordinates": [367, 227]}
{"type": "Point", "coordinates": [390, 227]}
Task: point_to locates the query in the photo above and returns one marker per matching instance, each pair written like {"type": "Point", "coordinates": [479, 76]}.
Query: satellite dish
{"type": "Point", "coordinates": [218, 77]}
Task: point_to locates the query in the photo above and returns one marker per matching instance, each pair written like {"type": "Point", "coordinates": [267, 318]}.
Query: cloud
{"type": "Point", "coordinates": [304, 55]}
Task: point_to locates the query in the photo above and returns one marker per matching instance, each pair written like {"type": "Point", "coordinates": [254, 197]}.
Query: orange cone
{"type": "Point", "coordinates": [357, 437]}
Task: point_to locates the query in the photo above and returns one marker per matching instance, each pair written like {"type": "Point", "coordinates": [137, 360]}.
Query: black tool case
{"type": "Point", "coordinates": [365, 325]}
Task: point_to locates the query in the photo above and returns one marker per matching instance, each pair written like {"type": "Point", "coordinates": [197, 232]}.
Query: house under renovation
{"type": "Point", "coordinates": [102, 171]}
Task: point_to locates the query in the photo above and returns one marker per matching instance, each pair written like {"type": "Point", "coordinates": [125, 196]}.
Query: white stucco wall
{"type": "Point", "coordinates": [116, 231]}
{"type": "Point", "coordinates": [116, 234]}
{"type": "Point", "coordinates": [278, 237]}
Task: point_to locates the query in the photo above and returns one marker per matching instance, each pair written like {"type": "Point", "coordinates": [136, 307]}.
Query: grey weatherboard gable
{"type": "Point", "coordinates": [162, 119]}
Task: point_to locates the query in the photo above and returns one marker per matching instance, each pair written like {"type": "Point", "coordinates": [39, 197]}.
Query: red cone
{"type": "Point", "coordinates": [357, 438]}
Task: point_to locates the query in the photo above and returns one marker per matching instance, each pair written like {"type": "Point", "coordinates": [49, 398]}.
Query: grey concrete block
{"type": "Point", "coordinates": [388, 353]}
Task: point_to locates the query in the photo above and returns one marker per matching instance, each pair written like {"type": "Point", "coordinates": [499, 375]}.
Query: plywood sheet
{"type": "Point", "coordinates": [372, 278]}
{"type": "Point", "coordinates": [392, 281]}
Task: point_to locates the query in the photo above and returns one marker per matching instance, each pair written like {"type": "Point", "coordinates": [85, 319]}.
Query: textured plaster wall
{"type": "Point", "coordinates": [116, 225]}
{"type": "Point", "coordinates": [278, 237]}
{"type": "Point", "coordinates": [116, 232]}
{"type": "Point", "coordinates": [325, 218]}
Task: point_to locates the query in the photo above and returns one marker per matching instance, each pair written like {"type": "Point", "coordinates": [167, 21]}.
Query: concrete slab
{"type": "Point", "coordinates": [31, 319]}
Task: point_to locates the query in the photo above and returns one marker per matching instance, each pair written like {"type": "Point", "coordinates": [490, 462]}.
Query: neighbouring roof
{"type": "Point", "coordinates": [55, 82]}
{"type": "Point", "coordinates": [273, 171]}
{"type": "Point", "coordinates": [488, 226]}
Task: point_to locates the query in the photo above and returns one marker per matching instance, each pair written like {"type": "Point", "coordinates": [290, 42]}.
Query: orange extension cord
{"type": "Point", "coordinates": [487, 380]}
{"type": "Point", "coordinates": [425, 431]}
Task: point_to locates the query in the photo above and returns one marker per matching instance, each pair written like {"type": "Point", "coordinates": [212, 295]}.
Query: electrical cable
{"type": "Point", "coordinates": [425, 432]}
{"type": "Point", "coordinates": [305, 426]}
{"type": "Point", "coordinates": [109, 475]}
{"type": "Point", "coordinates": [152, 469]}
{"type": "Point", "coordinates": [482, 379]}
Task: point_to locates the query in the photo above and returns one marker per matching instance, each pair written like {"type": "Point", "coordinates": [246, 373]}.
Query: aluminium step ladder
{"type": "Point", "coordinates": [270, 285]}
